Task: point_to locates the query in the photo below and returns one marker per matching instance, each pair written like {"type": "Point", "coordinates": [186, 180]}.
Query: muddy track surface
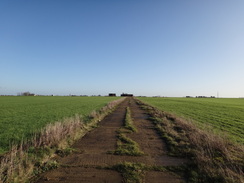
{"type": "Point", "coordinates": [86, 164]}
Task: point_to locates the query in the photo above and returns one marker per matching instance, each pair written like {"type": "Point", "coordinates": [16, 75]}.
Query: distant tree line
{"type": "Point", "coordinates": [26, 94]}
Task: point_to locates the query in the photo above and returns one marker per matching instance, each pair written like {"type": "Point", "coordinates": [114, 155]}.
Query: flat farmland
{"type": "Point", "coordinates": [20, 117]}
{"type": "Point", "coordinates": [221, 114]}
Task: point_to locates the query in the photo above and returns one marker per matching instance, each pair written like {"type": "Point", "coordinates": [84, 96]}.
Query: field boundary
{"type": "Point", "coordinates": [31, 158]}
{"type": "Point", "coordinates": [215, 159]}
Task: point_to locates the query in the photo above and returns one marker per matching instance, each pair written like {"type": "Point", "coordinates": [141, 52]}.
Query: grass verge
{"type": "Point", "coordinates": [26, 160]}
{"type": "Point", "coordinates": [214, 158]}
{"type": "Point", "coordinates": [128, 121]}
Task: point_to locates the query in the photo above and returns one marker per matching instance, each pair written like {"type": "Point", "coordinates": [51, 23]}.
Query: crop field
{"type": "Point", "coordinates": [221, 114]}
{"type": "Point", "coordinates": [20, 116]}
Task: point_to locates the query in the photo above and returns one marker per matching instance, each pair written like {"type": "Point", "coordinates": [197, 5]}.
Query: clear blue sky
{"type": "Point", "coordinates": [154, 47]}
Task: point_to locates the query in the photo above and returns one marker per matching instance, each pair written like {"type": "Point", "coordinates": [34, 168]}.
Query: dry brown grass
{"type": "Point", "coordinates": [27, 159]}
{"type": "Point", "coordinates": [215, 158]}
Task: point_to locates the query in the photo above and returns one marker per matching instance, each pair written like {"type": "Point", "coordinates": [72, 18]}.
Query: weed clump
{"type": "Point", "coordinates": [135, 172]}
{"type": "Point", "coordinates": [126, 146]}
{"type": "Point", "coordinates": [131, 172]}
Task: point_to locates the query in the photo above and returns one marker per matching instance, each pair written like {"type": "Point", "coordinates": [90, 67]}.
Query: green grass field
{"type": "Point", "coordinates": [21, 116]}
{"type": "Point", "coordinates": [222, 114]}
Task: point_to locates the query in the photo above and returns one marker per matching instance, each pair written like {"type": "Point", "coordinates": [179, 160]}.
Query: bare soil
{"type": "Point", "coordinates": [92, 152]}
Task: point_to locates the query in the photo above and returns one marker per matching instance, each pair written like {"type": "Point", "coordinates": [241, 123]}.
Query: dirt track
{"type": "Point", "coordinates": [93, 152]}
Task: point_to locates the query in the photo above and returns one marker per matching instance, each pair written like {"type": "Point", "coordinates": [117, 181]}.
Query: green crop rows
{"type": "Point", "coordinates": [20, 117]}
{"type": "Point", "coordinates": [222, 114]}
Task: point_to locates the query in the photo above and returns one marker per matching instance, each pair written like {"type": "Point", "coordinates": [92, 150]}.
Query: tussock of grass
{"type": "Point", "coordinates": [135, 172]}
{"type": "Point", "coordinates": [131, 172]}
{"type": "Point", "coordinates": [126, 146]}
{"type": "Point", "coordinates": [45, 166]}
{"type": "Point", "coordinates": [33, 157]}
{"type": "Point", "coordinates": [65, 152]}
{"type": "Point", "coordinates": [214, 158]}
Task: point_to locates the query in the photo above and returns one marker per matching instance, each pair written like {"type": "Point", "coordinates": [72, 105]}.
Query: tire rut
{"type": "Point", "coordinates": [82, 166]}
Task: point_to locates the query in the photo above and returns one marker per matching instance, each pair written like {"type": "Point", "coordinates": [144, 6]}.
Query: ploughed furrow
{"type": "Point", "coordinates": [103, 155]}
